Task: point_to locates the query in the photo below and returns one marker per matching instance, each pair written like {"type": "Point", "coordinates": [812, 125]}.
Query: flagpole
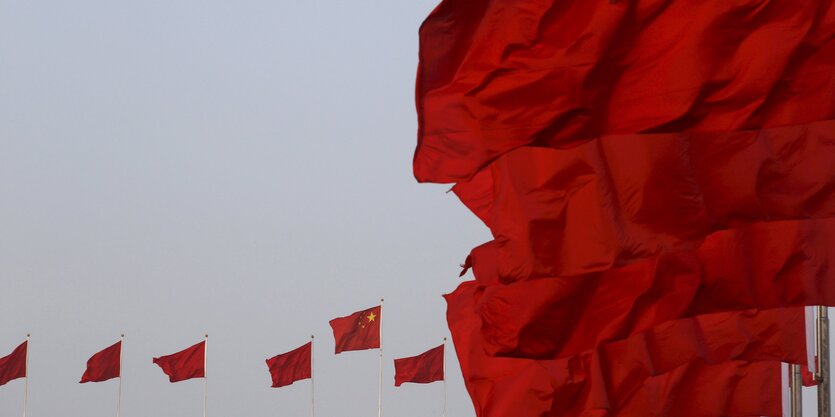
{"type": "Point", "coordinates": [380, 379]}
{"type": "Point", "coordinates": [119, 395]}
{"type": "Point", "coordinates": [312, 391]}
{"type": "Point", "coordinates": [824, 399]}
{"type": "Point", "coordinates": [796, 384]}
{"type": "Point", "coordinates": [26, 383]}
{"type": "Point", "coordinates": [205, 373]}
{"type": "Point", "coordinates": [444, 368]}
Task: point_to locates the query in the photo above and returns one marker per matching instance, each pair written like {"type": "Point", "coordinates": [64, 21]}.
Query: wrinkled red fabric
{"type": "Point", "coordinates": [292, 366]}
{"type": "Point", "coordinates": [763, 265]}
{"type": "Point", "coordinates": [186, 364]}
{"type": "Point", "coordinates": [621, 376]}
{"type": "Point", "coordinates": [104, 365]}
{"type": "Point", "coordinates": [13, 365]}
{"type": "Point", "coordinates": [495, 75]}
{"type": "Point", "coordinates": [617, 199]}
{"type": "Point", "coordinates": [421, 369]}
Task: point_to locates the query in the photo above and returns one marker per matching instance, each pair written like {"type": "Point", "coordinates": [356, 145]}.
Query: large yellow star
{"type": "Point", "coordinates": [371, 317]}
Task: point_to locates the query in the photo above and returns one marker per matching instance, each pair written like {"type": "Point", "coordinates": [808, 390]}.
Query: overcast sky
{"type": "Point", "coordinates": [242, 168]}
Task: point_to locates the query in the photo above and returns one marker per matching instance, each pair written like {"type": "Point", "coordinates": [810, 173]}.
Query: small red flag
{"type": "Point", "coordinates": [421, 369]}
{"type": "Point", "coordinates": [13, 366]}
{"type": "Point", "coordinates": [104, 365]}
{"type": "Point", "coordinates": [359, 331]}
{"type": "Point", "coordinates": [186, 364]}
{"type": "Point", "coordinates": [292, 366]}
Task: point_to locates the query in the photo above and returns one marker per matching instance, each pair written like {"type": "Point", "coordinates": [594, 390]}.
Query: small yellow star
{"type": "Point", "coordinates": [371, 317]}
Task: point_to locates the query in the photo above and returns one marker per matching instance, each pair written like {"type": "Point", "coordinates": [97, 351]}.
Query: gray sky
{"type": "Point", "coordinates": [238, 168]}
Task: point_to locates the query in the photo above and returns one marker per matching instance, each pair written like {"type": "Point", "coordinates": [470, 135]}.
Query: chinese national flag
{"type": "Point", "coordinates": [421, 369]}
{"type": "Point", "coordinates": [104, 365]}
{"type": "Point", "coordinates": [359, 331]}
{"type": "Point", "coordinates": [292, 366]}
{"type": "Point", "coordinates": [13, 366]}
{"type": "Point", "coordinates": [186, 364]}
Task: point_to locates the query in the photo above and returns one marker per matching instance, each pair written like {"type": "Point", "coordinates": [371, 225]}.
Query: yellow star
{"type": "Point", "coordinates": [371, 317]}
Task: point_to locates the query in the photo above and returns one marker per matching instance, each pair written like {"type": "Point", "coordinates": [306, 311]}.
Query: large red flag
{"type": "Point", "coordinates": [104, 365]}
{"type": "Point", "coordinates": [13, 366]}
{"type": "Point", "coordinates": [421, 369]}
{"type": "Point", "coordinates": [496, 75]}
{"type": "Point", "coordinates": [185, 364]}
{"type": "Point", "coordinates": [615, 200]}
{"type": "Point", "coordinates": [292, 366]}
{"type": "Point", "coordinates": [623, 374]}
{"type": "Point", "coordinates": [767, 265]}
{"type": "Point", "coordinates": [358, 331]}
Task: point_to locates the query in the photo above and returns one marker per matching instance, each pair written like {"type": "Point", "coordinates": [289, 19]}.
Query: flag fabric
{"type": "Point", "coordinates": [421, 369]}
{"type": "Point", "coordinates": [762, 266]}
{"type": "Point", "coordinates": [358, 331]}
{"type": "Point", "coordinates": [494, 76]}
{"type": "Point", "coordinates": [620, 378]}
{"type": "Point", "coordinates": [614, 200]}
{"type": "Point", "coordinates": [13, 365]}
{"type": "Point", "coordinates": [292, 366]}
{"type": "Point", "coordinates": [656, 191]}
{"type": "Point", "coordinates": [807, 377]}
{"type": "Point", "coordinates": [104, 365]}
{"type": "Point", "coordinates": [186, 364]}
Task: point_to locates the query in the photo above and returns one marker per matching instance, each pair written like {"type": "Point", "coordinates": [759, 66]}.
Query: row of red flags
{"type": "Point", "coordinates": [358, 331]}
{"type": "Point", "coordinates": [658, 181]}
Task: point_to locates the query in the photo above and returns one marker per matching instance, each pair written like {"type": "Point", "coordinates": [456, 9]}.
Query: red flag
{"type": "Point", "coordinates": [359, 331]}
{"type": "Point", "coordinates": [622, 374]}
{"type": "Point", "coordinates": [763, 266]}
{"type": "Point", "coordinates": [104, 365]}
{"type": "Point", "coordinates": [185, 364]}
{"type": "Point", "coordinates": [616, 200]}
{"type": "Point", "coordinates": [496, 75]}
{"type": "Point", "coordinates": [13, 366]}
{"type": "Point", "coordinates": [421, 369]}
{"type": "Point", "coordinates": [735, 388]}
{"type": "Point", "coordinates": [292, 366]}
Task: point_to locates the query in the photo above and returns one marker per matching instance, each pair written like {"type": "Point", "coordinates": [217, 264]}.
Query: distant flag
{"type": "Point", "coordinates": [186, 364]}
{"type": "Point", "coordinates": [292, 366]}
{"type": "Point", "coordinates": [104, 365]}
{"type": "Point", "coordinates": [359, 331]}
{"type": "Point", "coordinates": [421, 369]}
{"type": "Point", "coordinates": [13, 366]}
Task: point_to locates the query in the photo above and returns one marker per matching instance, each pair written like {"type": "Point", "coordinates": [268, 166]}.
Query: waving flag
{"type": "Point", "coordinates": [763, 266]}
{"type": "Point", "coordinates": [185, 364]}
{"type": "Point", "coordinates": [104, 365]}
{"type": "Point", "coordinates": [496, 75]}
{"type": "Point", "coordinates": [13, 365]}
{"type": "Point", "coordinates": [421, 369]}
{"type": "Point", "coordinates": [358, 331]}
{"type": "Point", "coordinates": [718, 355]}
{"type": "Point", "coordinates": [292, 366]}
{"type": "Point", "coordinates": [615, 200]}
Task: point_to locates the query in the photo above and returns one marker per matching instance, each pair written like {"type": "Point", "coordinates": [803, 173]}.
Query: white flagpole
{"type": "Point", "coordinates": [205, 373]}
{"type": "Point", "coordinates": [312, 391]}
{"type": "Point", "coordinates": [380, 381]}
{"type": "Point", "coordinates": [26, 383]}
{"type": "Point", "coordinates": [444, 368]}
{"type": "Point", "coordinates": [119, 395]}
